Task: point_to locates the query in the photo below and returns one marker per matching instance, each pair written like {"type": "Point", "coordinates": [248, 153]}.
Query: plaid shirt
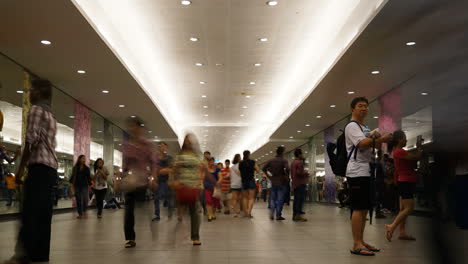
{"type": "Point", "coordinates": [140, 155]}
{"type": "Point", "coordinates": [40, 134]}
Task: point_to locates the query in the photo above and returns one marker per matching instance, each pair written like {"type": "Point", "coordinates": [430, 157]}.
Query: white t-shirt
{"type": "Point", "coordinates": [358, 167]}
{"type": "Point", "coordinates": [236, 180]}
{"type": "Point", "coordinates": [99, 182]}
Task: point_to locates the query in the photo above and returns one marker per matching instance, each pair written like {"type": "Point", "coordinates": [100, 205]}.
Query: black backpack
{"type": "Point", "coordinates": [339, 161]}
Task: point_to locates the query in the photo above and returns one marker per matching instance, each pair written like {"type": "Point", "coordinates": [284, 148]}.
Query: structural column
{"type": "Point", "coordinates": [82, 132]}
{"type": "Point", "coordinates": [330, 183]}
{"type": "Point", "coordinates": [108, 147]}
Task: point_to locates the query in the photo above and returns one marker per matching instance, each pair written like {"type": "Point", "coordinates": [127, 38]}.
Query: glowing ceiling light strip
{"type": "Point", "coordinates": [144, 54]}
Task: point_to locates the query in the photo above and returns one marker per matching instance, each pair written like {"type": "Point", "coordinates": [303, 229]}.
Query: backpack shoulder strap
{"type": "Point", "coordinates": [355, 148]}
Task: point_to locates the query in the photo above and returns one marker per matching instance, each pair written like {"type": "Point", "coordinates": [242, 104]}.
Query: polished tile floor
{"type": "Point", "coordinates": [325, 238]}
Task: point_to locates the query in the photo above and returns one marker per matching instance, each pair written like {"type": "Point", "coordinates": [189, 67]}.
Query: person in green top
{"type": "Point", "coordinates": [188, 174]}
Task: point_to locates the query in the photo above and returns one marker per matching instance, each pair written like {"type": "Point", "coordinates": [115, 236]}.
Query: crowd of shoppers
{"type": "Point", "coordinates": [190, 180]}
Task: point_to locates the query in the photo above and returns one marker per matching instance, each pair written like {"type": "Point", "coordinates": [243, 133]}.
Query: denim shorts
{"type": "Point", "coordinates": [249, 185]}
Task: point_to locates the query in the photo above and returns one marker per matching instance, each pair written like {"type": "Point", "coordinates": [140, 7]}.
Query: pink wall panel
{"type": "Point", "coordinates": [82, 138]}
{"type": "Point", "coordinates": [390, 111]}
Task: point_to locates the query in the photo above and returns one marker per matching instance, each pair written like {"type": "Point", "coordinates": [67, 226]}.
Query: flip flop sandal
{"type": "Point", "coordinates": [372, 248]}
{"type": "Point", "coordinates": [408, 237]}
{"type": "Point", "coordinates": [361, 252]}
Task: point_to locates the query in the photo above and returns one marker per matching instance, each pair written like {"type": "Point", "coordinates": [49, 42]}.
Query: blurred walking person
{"type": "Point", "coordinates": [80, 181]}
{"type": "Point", "coordinates": [248, 167]}
{"type": "Point", "coordinates": [279, 169]}
{"type": "Point", "coordinates": [300, 177]}
{"type": "Point", "coordinates": [236, 185]}
{"type": "Point", "coordinates": [140, 164]}
{"type": "Point", "coordinates": [188, 174]}
{"type": "Point", "coordinates": [163, 192]}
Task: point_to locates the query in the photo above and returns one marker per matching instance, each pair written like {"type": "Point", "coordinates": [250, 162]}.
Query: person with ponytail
{"type": "Point", "coordinates": [405, 164]}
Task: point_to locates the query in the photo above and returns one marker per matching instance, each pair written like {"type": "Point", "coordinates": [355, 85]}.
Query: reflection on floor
{"type": "Point", "coordinates": [62, 203]}
{"type": "Point", "coordinates": [325, 238]}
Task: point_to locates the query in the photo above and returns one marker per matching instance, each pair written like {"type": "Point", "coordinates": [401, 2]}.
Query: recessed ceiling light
{"type": "Point", "coordinates": [332, 106]}
{"type": "Point", "coordinates": [206, 115]}
{"type": "Point", "coordinates": [193, 39]}
{"type": "Point", "coordinates": [46, 42]}
{"type": "Point", "coordinates": [272, 3]}
{"type": "Point", "coordinates": [252, 83]}
{"type": "Point", "coordinates": [307, 125]}
{"type": "Point", "coordinates": [424, 93]}
{"type": "Point", "coordinates": [203, 96]}
{"type": "Point", "coordinates": [105, 91]}
{"type": "Point", "coordinates": [375, 72]}
{"type": "Point", "coordinates": [263, 39]}
{"type": "Point", "coordinates": [121, 106]}
{"type": "Point", "coordinates": [20, 91]}
{"type": "Point", "coordinates": [81, 71]}
{"type": "Point", "coordinates": [242, 115]}
{"type": "Point", "coordinates": [219, 64]}
{"type": "Point", "coordinates": [257, 64]}
{"type": "Point", "coordinates": [120, 144]}
{"type": "Point", "coordinates": [199, 64]}
{"type": "Point", "coordinates": [185, 2]}
{"type": "Point", "coordinates": [247, 96]}
{"type": "Point", "coordinates": [410, 43]}
{"type": "Point", "coordinates": [351, 92]}
{"type": "Point", "coordinates": [375, 117]}
{"type": "Point", "coordinates": [99, 131]}
{"type": "Point", "coordinates": [150, 131]}
{"type": "Point", "coordinates": [71, 117]}
{"type": "Point", "coordinates": [291, 137]}
{"type": "Point", "coordinates": [205, 106]}
{"type": "Point", "coordinates": [299, 131]}
{"type": "Point", "coordinates": [132, 116]}
{"type": "Point", "coordinates": [319, 116]}
{"type": "Point", "coordinates": [155, 136]}
{"type": "Point", "coordinates": [202, 82]}
{"type": "Point", "coordinates": [245, 107]}
{"type": "Point", "coordinates": [142, 125]}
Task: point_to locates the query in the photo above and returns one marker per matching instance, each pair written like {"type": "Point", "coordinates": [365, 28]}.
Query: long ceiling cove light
{"type": "Point", "coordinates": [46, 42]}
{"type": "Point", "coordinates": [410, 43]}
{"type": "Point", "coordinates": [375, 72]}
{"type": "Point", "coordinates": [153, 56]}
{"type": "Point", "coordinates": [81, 71]}
{"type": "Point", "coordinates": [199, 64]}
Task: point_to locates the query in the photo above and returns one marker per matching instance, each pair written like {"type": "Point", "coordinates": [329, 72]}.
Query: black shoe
{"type": "Point", "coordinates": [272, 217]}
{"type": "Point", "coordinates": [302, 212]}
{"type": "Point", "coordinates": [130, 244]}
{"type": "Point", "coordinates": [157, 218]}
{"type": "Point", "coordinates": [280, 218]}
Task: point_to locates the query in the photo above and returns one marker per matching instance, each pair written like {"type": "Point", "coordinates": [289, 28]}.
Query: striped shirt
{"type": "Point", "coordinates": [40, 134]}
{"type": "Point", "coordinates": [187, 168]}
{"type": "Point", "coordinates": [226, 181]}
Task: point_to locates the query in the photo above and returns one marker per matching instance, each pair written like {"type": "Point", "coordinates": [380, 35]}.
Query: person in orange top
{"type": "Point", "coordinates": [226, 186]}
{"type": "Point", "coordinates": [11, 188]}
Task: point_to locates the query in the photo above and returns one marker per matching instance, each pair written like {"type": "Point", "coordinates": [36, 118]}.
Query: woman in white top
{"type": "Point", "coordinates": [100, 184]}
{"type": "Point", "coordinates": [236, 185]}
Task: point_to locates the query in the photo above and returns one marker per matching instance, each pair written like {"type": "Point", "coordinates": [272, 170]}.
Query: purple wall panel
{"type": "Point", "coordinates": [82, 132]}
{"type": "Point", "coordinates": [330, 187]}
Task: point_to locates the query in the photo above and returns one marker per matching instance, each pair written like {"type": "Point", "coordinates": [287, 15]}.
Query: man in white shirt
{"type": "Point", "coordinates": [359, 143]}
